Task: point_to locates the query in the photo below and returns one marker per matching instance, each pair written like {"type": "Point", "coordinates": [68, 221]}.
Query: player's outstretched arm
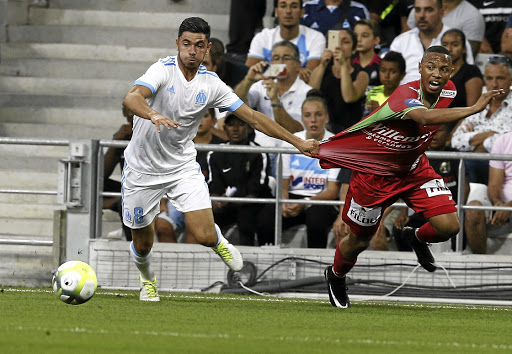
{"type": "Point", "coordinates": [448, 115]}
{"type": "Point", "coordinates": [267, 126]}
{"type": "Point", "coordinates": [135, 100]}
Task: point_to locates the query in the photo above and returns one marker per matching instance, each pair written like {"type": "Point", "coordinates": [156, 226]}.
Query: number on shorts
{"type": "Point", "coordinates": [138, 215]}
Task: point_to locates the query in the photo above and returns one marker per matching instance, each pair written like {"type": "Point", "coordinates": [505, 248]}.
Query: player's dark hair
{"type": "Point", "coordinates": [315, 95]}
{"type": "Point", "coordinates": [195, 25]}
{"type": "Point", "coordinates": [352, 35]}
{"type": "Point", "coordinates": [371, 24]}
{"type": "Point", "coordinates": [395, 57]}
{"type": "Point", "coordinates": [437, 49]}
{"type": "Point", "coordinates": [462, 38]}
{"type": "Point", "coordinates": [293, 47]}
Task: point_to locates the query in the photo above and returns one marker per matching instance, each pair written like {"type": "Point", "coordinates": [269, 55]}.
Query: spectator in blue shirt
{"type": "Point", "coordinates": [324, 15]}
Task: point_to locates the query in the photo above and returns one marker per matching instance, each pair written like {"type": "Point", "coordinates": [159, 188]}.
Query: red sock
{"type": "Point", "coordinates": [427, 233]}
{"type": "Point", "coordinates": [342, 265]}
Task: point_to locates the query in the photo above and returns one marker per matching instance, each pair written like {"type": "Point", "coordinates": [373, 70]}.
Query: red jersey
{"type": "Point", "coordinates": [384, 143]}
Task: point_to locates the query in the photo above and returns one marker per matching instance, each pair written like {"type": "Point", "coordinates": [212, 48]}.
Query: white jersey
{"type": "Point", "coordinates": [184, 101]}
{"type": "Point", "coordinates": [306, 176]}
{"type": "Point", "coordinates": [310, 42]}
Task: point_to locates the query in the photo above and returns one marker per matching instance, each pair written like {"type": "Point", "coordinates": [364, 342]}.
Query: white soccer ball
{"type": "Point", "coordinates": [74, 282]}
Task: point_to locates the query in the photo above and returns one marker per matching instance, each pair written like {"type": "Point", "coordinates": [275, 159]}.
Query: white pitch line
{"type": "Point", "coordinates": [359, 300]}
{"type": "Point", "coordinates": [264, 339]}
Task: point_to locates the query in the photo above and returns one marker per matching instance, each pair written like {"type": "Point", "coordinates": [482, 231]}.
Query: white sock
{"type": "Point", "coordinates": [142, 263]}
{"type": "Point", "coordinates": [219, 235]}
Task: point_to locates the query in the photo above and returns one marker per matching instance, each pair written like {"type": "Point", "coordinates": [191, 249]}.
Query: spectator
{"type": "Point", "coordinates": [170, 221]}
{"type": "Point", "coordinates": [324, 15]}
{"type": "Point", "coordinates": [303, 178]}
{"type": "Point", "coordinates": [279, 98]}
{"type": "Point", "coordinates": [499, 194]}
{"type": "Point", "coordinates": [391, 15]}
{"type": "Point", "coordinates": [495, 14]}
{"type": "Point", "coordinates": [466, 77]}
{"type": "Point", "coordinates": [114, 157]}
{"type": "Point", "coordinates": [448, 169]}
{"type": "Point", "coordinates": [506, 39]}
{"type": "Point", "coordinates": [342, 84]}
{"type": "Point", "coordinates": [463, 15]}
{"type": "Point", "coordinates": [239, 175]}
{"type": "Point", "coordinates": [391, 72]}
{"type": "Point", "coordinates": [479, 131]}
{"type": "Point", "coordinates": [229, 71]}
{"type": "Point", "coordinates": [411, 44]}
{"type": "Point", "coordinates": [310, 42]}
{"type": "Point", "coordinates": [245, 19]}
{"type": "Point", "coordinates": [367, 32]}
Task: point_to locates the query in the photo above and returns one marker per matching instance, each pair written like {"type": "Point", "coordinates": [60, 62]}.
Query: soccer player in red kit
{"type": "Point", "coordinates": [386, 153]}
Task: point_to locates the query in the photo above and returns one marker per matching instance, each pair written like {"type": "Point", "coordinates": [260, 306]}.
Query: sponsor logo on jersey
{"type": "Point", "coordinates": [393, 135]}
{"type": "Point", "coordinates": [413, 102]}
{"type": "Point", "coordinates": [448, 93]}
{"type": "Point", "coordinates": [296, 181]}
{"type": "Point", "coordinates": [309, 182]}
{"type": "Point", "coordinates": [171, 89]}
{"type": "Point", "coordinates": [201, 98]}
{"type": "Point", "coordinates": [435, 187]}
{"type": "Point", "coordinates": [362, 215]}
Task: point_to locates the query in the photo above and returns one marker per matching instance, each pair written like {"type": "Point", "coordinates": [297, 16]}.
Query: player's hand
{"type": "Point", "coordinates": [486, 98]}
{"type": "Point", "coordinates": [255, 72]}
{"type": "Point", "coordinates": [158, 120]}
{"type": "Point", "coordinates": [308, 147]}
{"type": "Point", "coordinates": [305, 74]}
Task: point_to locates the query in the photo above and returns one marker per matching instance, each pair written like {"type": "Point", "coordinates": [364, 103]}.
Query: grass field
{"type": "Point", "coordinates": [35, 321]}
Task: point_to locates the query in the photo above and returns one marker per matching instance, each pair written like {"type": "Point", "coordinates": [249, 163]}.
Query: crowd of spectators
{"type": "Point", "coordinates": [325, 90]}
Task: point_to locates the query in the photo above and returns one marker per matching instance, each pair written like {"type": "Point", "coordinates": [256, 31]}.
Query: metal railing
{"type": "Point", "coordinates": [278, 200]}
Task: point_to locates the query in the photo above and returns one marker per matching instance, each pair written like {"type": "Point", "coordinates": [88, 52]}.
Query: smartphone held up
{"type": "Point", "coordinates": [275, 70]}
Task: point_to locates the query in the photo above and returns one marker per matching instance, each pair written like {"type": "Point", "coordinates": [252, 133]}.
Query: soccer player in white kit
{"type": "Point", "coordinates": [169, 102]}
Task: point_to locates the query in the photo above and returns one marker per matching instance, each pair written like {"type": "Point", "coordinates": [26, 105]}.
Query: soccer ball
{"type": "Point", "coordinates": [74, 282]}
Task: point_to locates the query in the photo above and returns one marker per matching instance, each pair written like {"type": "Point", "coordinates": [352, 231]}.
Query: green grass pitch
{"type": "Point", "coordinates": [35, 321]}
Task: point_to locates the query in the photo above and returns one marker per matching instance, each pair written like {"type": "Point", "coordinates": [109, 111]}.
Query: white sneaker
{"type": "Point", "coordinates": [229, 254]}
{"type": "Point", "coordinates": [148, 290]}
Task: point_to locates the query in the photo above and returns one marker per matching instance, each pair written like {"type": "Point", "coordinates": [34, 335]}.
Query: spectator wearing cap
{"type": "Point", "coordinates": [243, 175]}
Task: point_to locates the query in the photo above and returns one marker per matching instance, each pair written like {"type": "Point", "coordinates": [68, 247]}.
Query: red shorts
{"type": "Point", "coordinates": [369, 195]}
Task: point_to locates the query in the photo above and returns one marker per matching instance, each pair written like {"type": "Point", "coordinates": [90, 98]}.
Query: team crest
{"type": "Point", "coordinates": [201, 98]}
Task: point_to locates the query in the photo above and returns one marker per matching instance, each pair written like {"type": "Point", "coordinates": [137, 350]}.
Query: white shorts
{"type": "Point", "coordinates": [141, 193]}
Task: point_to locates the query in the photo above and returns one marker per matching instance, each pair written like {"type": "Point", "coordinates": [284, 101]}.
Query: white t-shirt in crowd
{"type": "Point", "coordinates": [411, 48]}
{"type": "Point", "coordinates": [292, 102]}
{"type": "Point", "coordinates": [311, 43]}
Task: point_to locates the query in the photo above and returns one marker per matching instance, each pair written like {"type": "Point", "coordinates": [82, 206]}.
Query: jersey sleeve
{"type": "Point", "coordinates": [404, 100]}
{"type": "Point", "coordinates": [226, 99]}
{"type": "Point", "coordinates": [154, 77]}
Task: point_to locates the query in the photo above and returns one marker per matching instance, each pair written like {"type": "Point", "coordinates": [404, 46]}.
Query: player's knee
{"type": "Point", "coordinates": [449, 230]}
{"type": "Point", "coordinates": [163, 226]}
